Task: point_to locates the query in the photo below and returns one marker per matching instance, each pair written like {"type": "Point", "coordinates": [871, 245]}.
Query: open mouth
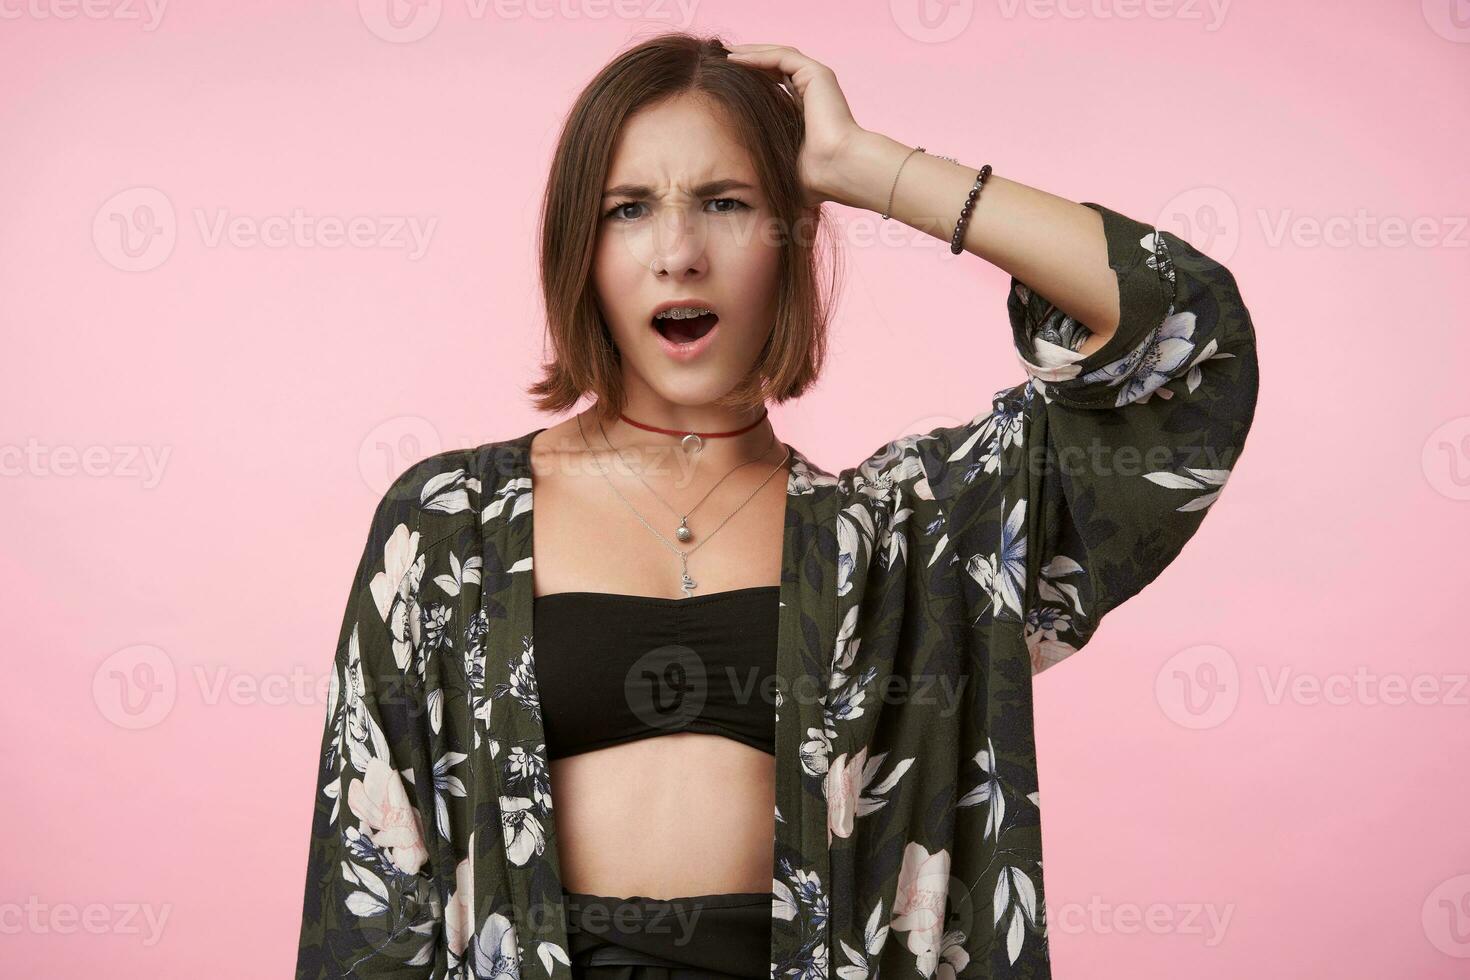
{"type": "Point", "coordinates": [685, 330]}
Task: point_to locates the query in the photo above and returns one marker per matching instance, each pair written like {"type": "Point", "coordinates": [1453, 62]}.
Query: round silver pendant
{"type": "Point", "coordinates": [692, 443]}
{"type": "Point", "coordinates": [683, 533]}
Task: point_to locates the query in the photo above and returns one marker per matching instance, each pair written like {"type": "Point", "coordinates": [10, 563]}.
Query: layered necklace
{"type": "Point", "coordinates": [692, 443]}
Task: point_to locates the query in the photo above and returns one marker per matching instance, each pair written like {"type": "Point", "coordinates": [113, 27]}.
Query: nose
{"type": "Point", "coordinates": [678, 244]}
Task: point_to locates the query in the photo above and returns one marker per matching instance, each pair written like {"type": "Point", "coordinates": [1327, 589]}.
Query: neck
{"type": "Point", "coordinates": [679, 419]}
{"type": "Point", "coordinates": [661, 453]}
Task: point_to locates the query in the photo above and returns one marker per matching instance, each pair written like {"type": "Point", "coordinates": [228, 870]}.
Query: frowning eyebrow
{"type": "Point", "coordinates": [640, 192]}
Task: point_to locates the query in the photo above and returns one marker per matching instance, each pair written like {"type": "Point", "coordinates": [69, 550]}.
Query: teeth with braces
{"type": "Point", "coordinates": [683, 313]}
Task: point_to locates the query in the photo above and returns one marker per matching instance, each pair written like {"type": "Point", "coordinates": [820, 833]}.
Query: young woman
{"type": "Point", "coordinates": [786, 715]}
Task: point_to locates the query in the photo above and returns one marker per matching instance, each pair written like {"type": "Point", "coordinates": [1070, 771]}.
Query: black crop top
{"type": "Point", "coordinates": [613, 668]}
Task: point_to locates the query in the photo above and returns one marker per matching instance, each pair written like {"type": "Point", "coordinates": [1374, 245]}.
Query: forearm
{"type": "Point", "coordinates": [1053, 245]}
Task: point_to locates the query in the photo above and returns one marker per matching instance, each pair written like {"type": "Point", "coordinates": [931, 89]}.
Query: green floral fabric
{"type": "Point", "coordinates": [921, 591]}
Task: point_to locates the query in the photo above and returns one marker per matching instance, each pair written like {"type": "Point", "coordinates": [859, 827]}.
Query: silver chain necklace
{"type": "Point", "coordinates": [683, 532]}
{"type": "Point", "coordinates": [687, 584]}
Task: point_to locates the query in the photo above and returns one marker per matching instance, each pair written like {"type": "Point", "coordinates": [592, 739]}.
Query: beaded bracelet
{"type": "Point", "coordinates": [959, 228]}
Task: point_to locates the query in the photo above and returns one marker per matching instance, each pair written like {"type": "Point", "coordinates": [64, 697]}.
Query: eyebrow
{"type": "Point", "coordinates": [643, 192]}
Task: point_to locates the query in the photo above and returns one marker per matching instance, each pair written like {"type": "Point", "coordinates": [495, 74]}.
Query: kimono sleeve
{"type": "Point", "coordinates": [370, 907]}
{"type": "Point", "coordinates": [1109, 462]}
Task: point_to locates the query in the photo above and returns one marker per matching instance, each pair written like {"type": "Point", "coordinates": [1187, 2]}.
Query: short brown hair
{"type": "Point", "coordinates": [769, 124]}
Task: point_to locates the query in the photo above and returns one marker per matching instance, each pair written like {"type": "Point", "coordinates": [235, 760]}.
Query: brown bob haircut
{"type": "Point", "coordinates": [766, 120]}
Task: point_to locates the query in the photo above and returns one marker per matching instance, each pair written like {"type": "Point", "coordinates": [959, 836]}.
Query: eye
{"type": "Point", "coordinates": [612, 211]}
{"type": "Point", "coordinates": [737, 205]}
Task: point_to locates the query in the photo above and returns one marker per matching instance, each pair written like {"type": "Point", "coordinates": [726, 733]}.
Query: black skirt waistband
{"type": "Point", "coordinates": [723, 935]}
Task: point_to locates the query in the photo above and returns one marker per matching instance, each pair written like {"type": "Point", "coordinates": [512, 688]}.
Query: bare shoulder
{"type": "Point", "coordinates": [559, 449]}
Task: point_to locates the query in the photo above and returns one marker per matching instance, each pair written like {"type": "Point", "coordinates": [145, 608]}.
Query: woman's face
{"type": "Point", "coordinates": [698, 228]}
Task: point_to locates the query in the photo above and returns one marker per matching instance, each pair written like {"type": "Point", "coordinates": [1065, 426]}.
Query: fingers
{"type": "Point", "coordinates": [779, 61]}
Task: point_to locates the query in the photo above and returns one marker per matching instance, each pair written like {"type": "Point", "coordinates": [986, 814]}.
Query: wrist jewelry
{"type": "Point", "coordinates": [959, 228]}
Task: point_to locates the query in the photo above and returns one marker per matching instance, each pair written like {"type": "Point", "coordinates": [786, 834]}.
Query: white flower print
{"type": "Point", "coordinates": [516, 493]}
{"type": "Point", "coordinates": [448, 492]}
{"type": "Point", "coordinates": [446, 786]}
{"type": "Point", "coordinates": [1050, 585]}
{"type": "Point", "coordinates": [522, 684]}
{"type": "Point", "coordinates": [459, 914]}
{"type": "Point", "coordinates": [952, 956]}
{"type": "Point", "coordinates": [1003, 575]}
{"type": "Point", "coordinates": [854, 530]}
{"type": "Point", "coordinates": [847, 789]}
{"type": "Point", "coordinates": [524, 834]}
{"type": "Point", "coordinates": [524, 766]}
{"type": "Point", "coordinates": [1159, 357]}
{"type": "Point", "coordinates": [365, 739]}
{"type": "Point", "coordinates": [816, 750]}
{"type": "Point", "coordinates": [990, 791]}
{"type": "Point", "coordinates": [1014, 883]}
{"type": "Point", "coordinates": [848, 641]}
{"type": "Point", "coordinates": [382, 804]}
{"type": "Point", "coordinates": [496, 954]}
{"type": "Point", "coordinates": [893, 465]}
{"type": "Point", "coordinates": [802, 897]}
{"type": "Point", "coordinates": [1197, 479]}
{"type": "Point", "coordinates": [1043, 642]}
{"type": "Point", "coordinates": [803, 479]}
{"type": "Point", "coordinates": [395, 591]}
{"type": "Point", "coordinates": [460, 575]}
{"type": "Point", "coordinates": [997, 431]}
{"type": "Point", "coordinates": [549, 951]}
{"type": "Point", "coordinates": [875, 934]}
{"type": "Point", "coordinates": [920, 902]}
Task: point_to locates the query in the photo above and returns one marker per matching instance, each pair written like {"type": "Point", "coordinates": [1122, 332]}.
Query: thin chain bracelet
{"type": "Point", "coordinates": [888, 210]}
{"type": "Point", "coordinates": [959, 228]}
{"type": "Point", "coordinates": [918, 149]}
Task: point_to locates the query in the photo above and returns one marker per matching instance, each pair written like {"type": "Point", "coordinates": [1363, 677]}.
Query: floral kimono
{"type": "Point", "coordinates": [920, 592]}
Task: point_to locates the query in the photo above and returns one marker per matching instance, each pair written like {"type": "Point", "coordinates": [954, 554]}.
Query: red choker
{"type": "Point", "coordinates": [694, 440]}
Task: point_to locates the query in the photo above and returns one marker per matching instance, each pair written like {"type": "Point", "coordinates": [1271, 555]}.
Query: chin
{"type": "Point", "coordinates": [691, 392]}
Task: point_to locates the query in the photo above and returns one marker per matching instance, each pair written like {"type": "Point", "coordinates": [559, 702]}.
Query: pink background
{"type": "Point", "coordinates": [278, 387]}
